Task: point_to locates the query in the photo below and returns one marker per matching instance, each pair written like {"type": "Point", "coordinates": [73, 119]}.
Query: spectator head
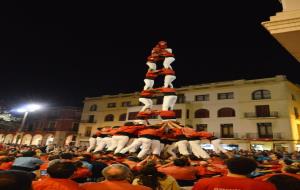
{"type": "Point", "coordinates": [15, 180]}
{"type": "Point", "coordinates": [116, 172]}
{"type": "Point", "coordinates": [292, 169]}
{"type": "Point", "coordinates": [29, 153]}
{"type": "Point", "coordinates": [181, 162]}
{"type": "Point", "coordinates": [241, 165]}
{"type": "Point", "coordinates": [86, 157]}
{"type": "Point", "coordinates": [285, 182]}
{"type": "Point", "coordinates": [67, 156]}
{"type": "Point", "coordinates": [53, 157]}
{"type": "Point", "coordinates": [61, 170]}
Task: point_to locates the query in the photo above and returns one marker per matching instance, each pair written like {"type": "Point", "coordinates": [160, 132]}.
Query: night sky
{"type": "Point", "coordinates": [59, 53]}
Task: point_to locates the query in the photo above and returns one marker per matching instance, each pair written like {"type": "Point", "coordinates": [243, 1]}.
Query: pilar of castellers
{"type": "Point", "coordinates": [168, 137]}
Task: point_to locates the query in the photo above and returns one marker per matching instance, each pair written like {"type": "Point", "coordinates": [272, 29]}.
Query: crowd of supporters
{"type": "Point", "coordinates": [73, 168]}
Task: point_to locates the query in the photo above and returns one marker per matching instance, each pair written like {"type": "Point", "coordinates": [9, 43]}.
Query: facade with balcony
{"type": "Point", "coordinates": [51, 126]}
{"type": "Point", "coordinates": [261, 113]}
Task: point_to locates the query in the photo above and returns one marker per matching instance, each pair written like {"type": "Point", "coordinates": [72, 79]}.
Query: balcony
{"type": "Point", "coordinates": [88, 121]}
{"type": "Point", "coordinates": [273, 114]}
{"type": "Point", "coordinates": [266, 136]}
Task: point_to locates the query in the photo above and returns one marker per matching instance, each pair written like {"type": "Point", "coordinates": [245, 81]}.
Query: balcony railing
{"type": "Point", "coordinates": [266, 136]}
{"type": "Point", "coordinates": [273, 114]}
{"type": "Point", "coordinates": [88, 121]}
{"type": "Point", "coordinates": [233, 135]}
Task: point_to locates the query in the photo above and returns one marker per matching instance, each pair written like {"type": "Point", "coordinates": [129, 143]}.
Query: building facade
{"type": "Point", "coordinates": [51, 126]}
{"type": "Point", "coordinates": [258, 114]}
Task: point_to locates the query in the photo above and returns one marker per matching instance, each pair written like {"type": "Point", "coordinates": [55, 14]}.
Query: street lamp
{"type": "Point", "coordinates": [26, 109]}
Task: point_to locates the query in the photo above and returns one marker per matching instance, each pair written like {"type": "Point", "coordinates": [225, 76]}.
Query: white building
{"type": "Point", "coordinates": [261, 113]}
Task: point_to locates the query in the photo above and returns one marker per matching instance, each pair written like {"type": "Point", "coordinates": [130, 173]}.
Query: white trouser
{"type": "Point", "coordinates": [168, 81]}
{"type": "Point", "coordinates": [169, 102]}
{"type": "Point", "coordinates": [170, 149]}
{"type": "Point", "coordinates": [152, 66]}
{"type": "Point", "coordinates": [131, 147]}
{"type": "Point", "coordinates": [156, 147]}
{"type": "Point", "coordinates": [142, 142]}
{"type": "Point", "coordinates": [183, 147]}
{"type": "Point", "coordinates": [168, 61]}
{"type": "Point", "coordinates": [197, 150]}
{"type": "Point", "coordinates": [217, 146]}
{"type": "Point", "coordinates": [102, 143]}
{"type": "Point", "coordinates": [148, 103]}
{"type": "Point", "coordinates": [92, 144]}
{"type": "Point", "coordinates": [118, 143]}
{"type": "Point", "coordinates": [148, 84]}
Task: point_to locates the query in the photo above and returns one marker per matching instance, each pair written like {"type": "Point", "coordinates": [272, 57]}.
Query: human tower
{"type": "Point", "coordinates": [144, 138]}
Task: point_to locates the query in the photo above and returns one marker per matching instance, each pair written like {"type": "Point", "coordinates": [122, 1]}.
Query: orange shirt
{"type": "Point", "coordinates": [113, 185]}
{"type": "Point", "coordinates": [81, 173]}
{"type": "Point", "coordinates": [55, 184]}
{"type": "Point", "coordinates": [230, 183]}
{"type": "Point", "coordinates": [180, 173]}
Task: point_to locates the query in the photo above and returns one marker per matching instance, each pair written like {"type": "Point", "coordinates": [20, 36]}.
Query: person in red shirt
{"type": "Point", "coordinates": [236, 178]}
{"type": "Point", "coordinates": [59, 173]}
{"type": "Point", "coordinates": [181, 171]}
{"type": "Point", "coordinates": [81, 173]}
{"type": "Point", "coordinates": [117, 178]}
{"type": "Point", "coordinates": [6, 162]}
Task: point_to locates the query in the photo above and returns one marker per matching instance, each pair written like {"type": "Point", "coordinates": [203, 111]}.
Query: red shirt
{"type": "Point", "coordinates": [55, 184]}
{"type": "Point", "coordinates": [180, 173]}
{"type": "Point", "coordinates": [232, 183]}
{"type": "Point", "coordinates": [113, 185]}
{"type": "Point", "coordinates": [6, 165]}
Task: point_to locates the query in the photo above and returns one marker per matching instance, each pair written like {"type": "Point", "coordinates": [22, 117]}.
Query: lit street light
{"type": "Point", "coordinates": [25, 109]}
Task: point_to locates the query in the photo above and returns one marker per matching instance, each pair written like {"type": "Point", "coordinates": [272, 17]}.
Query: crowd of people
{"type": "Point", "coordinates": [74, 168]}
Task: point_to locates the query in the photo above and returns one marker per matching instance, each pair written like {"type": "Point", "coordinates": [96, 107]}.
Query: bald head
{"type": "Point", "coordinates": [116, 172]}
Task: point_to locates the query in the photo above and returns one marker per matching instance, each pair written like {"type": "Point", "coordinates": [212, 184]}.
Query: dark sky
{"type": "Point", "coordinates": [60, 53]}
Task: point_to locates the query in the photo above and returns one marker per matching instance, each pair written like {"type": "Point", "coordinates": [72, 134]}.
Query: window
{"type": "Point", "coordinates": [262, 111]}
{"type": "Point", "coordinates": [201, 127]}
{"type": "Point", "coordinates": [296, 113]}
{"type": "Point", "coordinates": [93, 107]}
{"type": "Point", "coordinates": [132, 115]}
{"type": "Point", "coordinates": [111, 105]}
{"type": "Point", "coordinates": [126, 104]}
{"type": "Point", "coordinates": [75, 126]}
{"type": "Point", "coordinates": [180, 99]}
{"type": "Point", "coordinates": [298, 127]}
{"type": "Point", "coordinates": [178, 113]}
{"type": "Point", "coordinates": [122, 117]}
{"type": "Point", "coordinates": [88, 131]}
{"type": "Point", "coordinates": [109, 117]}
{"type": "Point", "coordinates": [51, 126]}
{"type": "Point", "coordinates": [261, 94]}
{"type": "Point", "coordinates": [293, 97]}
{"type": "Point", "coordinates": [204, 97]}
{"type": "Point", "coordinates": [227, 130]}
{"type": "Point", "coordinates": [187, 113]}
{"type": "Point", "coordinates": [227, 95]}
{"type": "Point", "coordinates": [202, 113]}
{"type": "Point", "coordinates": [264, 130]}
{"type": "Point", "coordinates": [226, 112]}
{"type": "Point", "coordinates": [91, 119]}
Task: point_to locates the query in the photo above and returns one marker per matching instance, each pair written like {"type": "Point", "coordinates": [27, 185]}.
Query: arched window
{"type": "Point", "coordinates": [202, 113]}
{"type": "Point", "coordinates": [226, 112]}
{"type": "Point", "coordinates": [261, 94]}
{"type": "Point", "coordinates": [109, 117]}
{"type": "Point", "coordinates": [122, 117]}
{"type": "Point", "coordinates": [93, 107]}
